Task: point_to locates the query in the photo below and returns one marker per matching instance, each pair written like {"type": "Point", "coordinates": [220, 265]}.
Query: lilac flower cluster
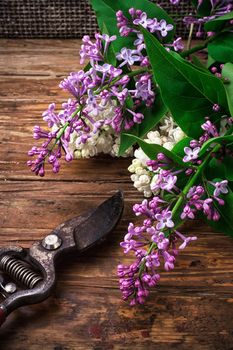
{"type": "Point", "coordinates": [160, 28]}
{"type": "Point", "coordinates": [100, 87]}
{"type": "Point", "coordinates": [156, 242]}
{"type": "Point", "coordinates": [218, 8]}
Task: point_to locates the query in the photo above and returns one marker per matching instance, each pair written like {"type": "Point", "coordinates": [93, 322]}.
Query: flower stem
{"type": "Point", "coordinates": [180, 200]}
{"type": "Point", "coordinates": [198, 172]}
{"type": "Point", "coordinates": [63, 129]}
{"type": "Point", "coordinates": [194, 49]}
{"type": "Point", "coordinates": [193, 180]}
{"type": "Point", "coordinates": [190, 36]}
{"type": "Point", "coordinates": [200, 46]}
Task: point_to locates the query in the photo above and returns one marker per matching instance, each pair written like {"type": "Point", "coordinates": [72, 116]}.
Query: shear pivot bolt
{"type": "Point", "coordinates": [10, 288]}
{"type": "Point", "coordinates": [51, 242]}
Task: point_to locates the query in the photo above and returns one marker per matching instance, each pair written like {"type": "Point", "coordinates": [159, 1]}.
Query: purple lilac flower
{"type": "Point", "coordinates": [92, 91]}
{"type": "Point", "coordinates": [164, 28]}
{"type": "Point", "coordinates": [140, 40]}
{"type": "Point", "coordinates": [91, 50]}
{"type": "Point", "coordinates": [186, 240]}
{"type": "Point", "coordinates": [178, 44]}
{"type": "Point", "coordinates": [188, 213]}
{"type": "Point", "coordinates": [157, 241]}
{"type": "Point", "coordinates": [74, 83]}
{"type": "Point", "coordinates": [122, 24]}
{"type": "Point", "coordinates": [164, 220]}
{"type": "Point", "coordinates": [137, 117]}
{"type": "Point", "coordinates": [220, 187]}
{"type": "Point", "coordinates": [191, 154]}
{"type": "Point", "coordinates": [136, 279]}
{"type": "Point", "coordinates": [50, 116]}
{"type": "Point", "coordinates": [128, 56]}
{"type": "Point", "coordinates": [138, 18]}
{"type": "Point", "coordinates": [168, 182]}
{"type": "Point", "coordinates": [174, 2]}
{"type": "Point", "coordinates": [216, 107]}
{"type": "Point", "coordinates": [107, 40]}
{"type": "Point", "coordinates": [161, 241]}
{"type": "Point", "coordinates": [210, 128]}
{"type": "Point", "coordinates": [143, 20]}
{"type": "Point", "coordinates": [219, 8]}
{"type": "Point", "coordinates": [143, 89]}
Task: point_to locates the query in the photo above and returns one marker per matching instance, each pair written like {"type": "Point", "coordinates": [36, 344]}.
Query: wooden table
{"type": "Point", "coordinates": [193, 306]}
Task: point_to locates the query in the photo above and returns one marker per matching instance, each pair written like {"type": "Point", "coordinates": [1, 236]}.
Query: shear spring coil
{"type": "Point", "coordinates": [19, 272]}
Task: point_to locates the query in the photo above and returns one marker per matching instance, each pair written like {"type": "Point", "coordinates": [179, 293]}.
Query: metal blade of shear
{"type": "Point", "coordinates": [100, 222]}
{"type": "Point", "coordinates": [92, 227]}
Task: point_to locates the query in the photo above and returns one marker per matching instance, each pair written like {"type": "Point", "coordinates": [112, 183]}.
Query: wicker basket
{"type": "Point", "coordinates": [62, 18]}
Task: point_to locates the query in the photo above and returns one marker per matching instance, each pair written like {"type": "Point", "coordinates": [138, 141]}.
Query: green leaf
{"type": "Point", "coordinates": [214, 169]}
{"type": "Point", "coordinates": [217, 24]}
{"type": "Point", "coordinates": [227, 164]}
{"type": "Point", "coordinates": [221, 48]}
{"type": "Point", "coordinates": [227, 72]}
{"type": "Point", "coordinates": [213, 141]}
{"type": "Point", "coordinates": [204, 8]}
{"type": "Point", "coordinates": [151, 150]}
{"type": "Point", "coordinates": [197, 63]}
{"type": "Point", "coordinates": [210, 61]}
{"type": "Point", "coordinates": [225, 224]}
{"type": "Point", "coordinates": [152, 115]}
{"type": "Point", "coordinates": [106, 13]}
{"type": "Point", "coordinates": [188, 92]}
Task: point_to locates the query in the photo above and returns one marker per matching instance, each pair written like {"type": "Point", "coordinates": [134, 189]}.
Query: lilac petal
{"type": "Point", "coordinates": [168, 215]}
{"type": "Point", "coordinates": [159, 217]}
{"type": "Point", "coordinates": [217, 192]}
{"type": "Point", "coordinates": [224, 190]}
{"type": "Point", "coordinates": [169, 27]}
{"type": "Point", "coordinates": [160, 225]}
{"type": "Point", "coordinates": [188, 150]}
{"type": "Point", "coordinates": [170, 223]}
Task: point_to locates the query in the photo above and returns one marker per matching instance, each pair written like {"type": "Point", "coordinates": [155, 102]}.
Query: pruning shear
{"type": "Point", "coordinates": [28, 275]}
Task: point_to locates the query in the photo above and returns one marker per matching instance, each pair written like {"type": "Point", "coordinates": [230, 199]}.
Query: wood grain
{"type": "Point", "coordinates": [192, 307]}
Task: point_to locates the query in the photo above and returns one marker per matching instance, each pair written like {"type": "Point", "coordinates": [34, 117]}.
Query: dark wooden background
{"type": "Point", "coordinates": [193, 306]}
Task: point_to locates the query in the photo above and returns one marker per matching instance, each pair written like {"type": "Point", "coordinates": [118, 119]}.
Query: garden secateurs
{"type": "Point", "coordinates": [28, 275]}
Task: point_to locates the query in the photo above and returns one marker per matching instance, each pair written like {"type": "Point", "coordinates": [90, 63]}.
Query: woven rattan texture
{"type": "Point", "coordinates": [62, 18]}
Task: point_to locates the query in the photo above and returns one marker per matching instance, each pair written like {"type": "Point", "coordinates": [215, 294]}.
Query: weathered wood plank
{"type": "Point", "coordinates": [192, 306]}
{"type": "Point", "coordinates": [174, 322]}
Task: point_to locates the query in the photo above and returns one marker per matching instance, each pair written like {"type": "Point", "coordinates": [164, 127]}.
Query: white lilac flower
{"type": "Point", "coordinates": [154, 137]}
{"type": "Point", "coordinates": [166, 135]}
{"type": "Point", "coordinates": [139, 154]}
{"type": "Point", "coordinates": [177, 134]}
{"type": "Point", "coordinates": [168, 145]}
{"type": "Point", "coordinates": [115, 149]}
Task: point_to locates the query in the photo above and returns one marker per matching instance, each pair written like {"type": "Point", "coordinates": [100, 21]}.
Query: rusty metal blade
{"type": "Point", "coordinates": [95, 225]}
{"type": "Point", "coordinates": [100, 222]}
